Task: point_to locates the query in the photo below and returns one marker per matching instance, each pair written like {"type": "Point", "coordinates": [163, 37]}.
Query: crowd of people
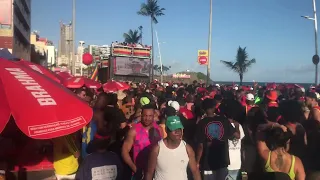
{"type": "Point", "coordinates": [179, 132]}
{"type": "Point", "coordinates": [139, 45]}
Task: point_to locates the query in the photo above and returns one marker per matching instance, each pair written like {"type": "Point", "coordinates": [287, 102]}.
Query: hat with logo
{"type": "Point", "coordinates": [173, 123]}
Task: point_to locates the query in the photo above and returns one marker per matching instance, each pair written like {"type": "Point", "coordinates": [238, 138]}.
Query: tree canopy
{"type": "Point", "coordinates": [242, 63]}
{"type": "Point", "coordinates": [133, 36]}
{"type": "Point", "coordinates": [151, 9]}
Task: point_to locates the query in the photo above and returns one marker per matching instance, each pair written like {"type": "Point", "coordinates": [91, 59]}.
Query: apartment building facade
{"type": "Point", "coordinates": [15, 27]}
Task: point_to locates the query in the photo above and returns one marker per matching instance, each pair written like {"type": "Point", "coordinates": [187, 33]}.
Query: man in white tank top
{"type": "Point", "coordinates": [170, 158]}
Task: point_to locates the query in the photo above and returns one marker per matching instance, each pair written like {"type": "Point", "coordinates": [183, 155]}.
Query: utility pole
{"type": "Point", "coordinates": [209, 45]}
{"type": "Point", "coordinates": [73, 37]}
{"type": "Point", "coordinates": [160, 58]}
{"type": "Point", "coordinates": [315, 37]}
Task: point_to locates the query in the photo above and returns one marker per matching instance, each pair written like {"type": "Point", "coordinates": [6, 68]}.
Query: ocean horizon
{"type": "Point", "coordinates": [305, 85]}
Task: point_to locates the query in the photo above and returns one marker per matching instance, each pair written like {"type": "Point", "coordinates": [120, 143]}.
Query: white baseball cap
{"type": "Point", "coordinates": [250, 97]}
{"type": "Point", "coordinates": [175, 105]}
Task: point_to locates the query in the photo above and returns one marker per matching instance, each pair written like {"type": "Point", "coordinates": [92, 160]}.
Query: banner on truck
{"type": "Point", "coordinates": [131, 66]}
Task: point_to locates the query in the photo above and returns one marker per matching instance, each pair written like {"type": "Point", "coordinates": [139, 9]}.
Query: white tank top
{"type": "Point", "coordinates": [172, 163]}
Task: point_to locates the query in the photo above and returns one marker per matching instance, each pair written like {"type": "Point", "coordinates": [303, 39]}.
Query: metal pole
{"type": "Point", "coordinates": [73, 37]}
{"type": "Point", "coordinates": [209, 45]}
{"type": "Point", "coordinates": [315, 37]}
{"type": "Point", "coordinates": [161, 70]}
{"type": "Point", "coordinates": [152, 51]}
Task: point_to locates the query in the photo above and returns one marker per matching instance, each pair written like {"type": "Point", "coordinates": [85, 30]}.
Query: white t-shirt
{"type": "Point", "coordinates": [235, 151]}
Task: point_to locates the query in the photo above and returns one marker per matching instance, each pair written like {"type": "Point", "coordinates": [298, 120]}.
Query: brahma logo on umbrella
{"type": "Point", "coordinates": [34, 67]}
{"type": "Point", "coordinates": [203, 57]}
{"type": "Point", "coordinates": [42, 96]}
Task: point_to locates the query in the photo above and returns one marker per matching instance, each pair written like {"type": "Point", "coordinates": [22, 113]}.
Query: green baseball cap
{"type": "Point", "coordinates": [173, 123]}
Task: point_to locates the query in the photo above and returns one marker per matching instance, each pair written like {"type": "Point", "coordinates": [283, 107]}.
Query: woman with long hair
{"type": "Point", "coordinates": [273, 145]}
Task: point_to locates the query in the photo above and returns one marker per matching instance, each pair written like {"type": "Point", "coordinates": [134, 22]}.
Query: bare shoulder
{"type": "Point", "coordinates": [131, 133]}
{"type": "Point", "coordinates": [155, 148]}
{"type": "Point", "coordinates": [298, 164]}
{"type": "Point", "coordinates": [189, 150]}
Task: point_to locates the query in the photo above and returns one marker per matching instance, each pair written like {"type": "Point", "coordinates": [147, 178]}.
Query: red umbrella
{"type": "Point", "coordinates": [126, 85]}
{"type": "Point", "coordinates": [63, 75]}
{"type": "Point", "coordinates": [113, 86]}
{"type": "Point", "coordinates": [78, 82]}
{"type": "Point", "coordinates": [40, 69]}
{"type": "Point", "coordinates": [92, 84]}
{"type": "Point", "coordinates": [41, 108]}
{"type": "Point", "coordinates": [5, 111]}
{"type": "Point", "coordinates": [73, 82]}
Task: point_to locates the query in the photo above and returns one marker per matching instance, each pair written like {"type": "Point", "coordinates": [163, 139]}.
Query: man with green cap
{"type": "Point", "coordinates": [174, 150]}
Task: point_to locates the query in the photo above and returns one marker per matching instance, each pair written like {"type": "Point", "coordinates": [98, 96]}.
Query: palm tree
{"type": "Point", "coordinates": [242, 63]}
{"type": "Point", "coordinates": [157, 68]}
{"type": "Point", "coordinates": [132, 37]}
{"type": "Point", "coordinates": [166, 68]}
{"type": "Point", "coordinates": [152, 10]}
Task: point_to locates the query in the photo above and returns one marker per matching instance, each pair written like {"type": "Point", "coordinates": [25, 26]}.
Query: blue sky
{"type": "Point", "coordinates": [272, 30]}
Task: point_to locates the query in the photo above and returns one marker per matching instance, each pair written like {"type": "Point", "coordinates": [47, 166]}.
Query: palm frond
{"type": "Point", "coordinates": [143, 10]}
{"type": "Point", "coordinates": [132, 36]}
{"type": "Point", "coordinates": [152, 9]}
{"type": "Point", "coordinates": [248, 64]}
{"type": "Point", "coordinates": [160, 12]}
{"type": "Point", "coordinates": [229, 64]}
{"type": "Point", "coordinates": [154, 20]}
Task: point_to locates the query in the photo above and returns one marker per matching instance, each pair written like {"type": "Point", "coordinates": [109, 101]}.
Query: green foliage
{"type": "Point", "coordinates": [86, 50]}
{"type": "Point", "coordinates": [132, 37]}
{"type": "Point", "coordinates": [151, 9]}
{"type": "Point", "coordinates": [157, 68]}
{"type": "Point", "coordinates": [242, 63]}
{"type": "Point", "coordinates": [202, 76]}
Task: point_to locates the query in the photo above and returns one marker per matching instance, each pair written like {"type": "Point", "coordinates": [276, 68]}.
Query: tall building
{"type": "Point", "coordinates": [65, 45]}
{"type": "Point", "coordinates": [15, 25]}
{"type": "Point", "coordinates": [42, 50]}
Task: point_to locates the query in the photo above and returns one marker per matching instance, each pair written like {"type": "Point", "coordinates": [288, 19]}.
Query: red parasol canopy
{"type": "Point", "coordinates": [40, 107]}
{"type": "Point", "coordinates": [73, 82]}
{"type": "Point", "coordinates": [92, 84]}
{"type": "Point", "coordinates": [113, 86]}
{"type": "Point", "coordinates": [63, 75]}
{"type": "Point", "coordinates": [40, 69]}
{"type": "Point", "coordinates": [5, 111]}
{"type": "Point", "coordinates": [78, 82]}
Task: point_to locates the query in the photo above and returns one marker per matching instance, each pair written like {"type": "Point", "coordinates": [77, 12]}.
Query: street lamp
{"type": "Point", "coordinates": [209, 44]}
{"type": "Point", "coordinates": [315, 20]}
